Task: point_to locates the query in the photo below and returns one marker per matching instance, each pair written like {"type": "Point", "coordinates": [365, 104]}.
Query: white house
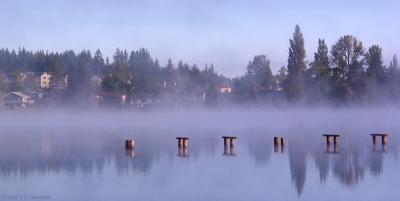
{"type": "Point", "coordinates": [16, 100]}
{"type": "Point", "coordinates": [45, 80]}
{"type": "Point", "coordinates": [225, 90]}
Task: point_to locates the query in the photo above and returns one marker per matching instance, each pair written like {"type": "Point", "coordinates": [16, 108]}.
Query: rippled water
{"type": "Point", "coordinates": [94, 165]}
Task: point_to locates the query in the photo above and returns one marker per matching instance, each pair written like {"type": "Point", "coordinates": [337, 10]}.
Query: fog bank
{"type": "Point", "coordinates": [201, 119]}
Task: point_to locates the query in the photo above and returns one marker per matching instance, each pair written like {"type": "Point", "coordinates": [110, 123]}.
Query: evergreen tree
{"type": "Point", "coordinates": [98, 62]}
{"type": "Point", "coordinates": [260, 73]}
{"type": "Point", "coordinates": [318, 74]}
{"type": "Point", "coordinates": [375, 68]}
{"type": "Point", "coordinates": [121, 79]}
{"type": "Point", "coordinates": [146, 73]}
{"type": "Point", "coordinates": [376, 73]}
{"type": "Point", "coordinates": [321, 60]}
{"type": "Point", "coordinates": [393, 78]}
{"type": "Point", "coordinates": [393, 68]}
{"type": "Point", "coordinates": [296, 66]}
{"type": "Point", "coordinates": [169, 73]}
{"type": "Point", "coordinates": [79, 77]}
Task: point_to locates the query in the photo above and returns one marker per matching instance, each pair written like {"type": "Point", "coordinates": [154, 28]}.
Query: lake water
{"type": "Point", "coordinates": [86, 164]}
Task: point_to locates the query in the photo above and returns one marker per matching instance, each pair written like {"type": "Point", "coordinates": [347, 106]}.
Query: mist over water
{"type": "Point", "coordinates": [225, 119]}
{"type": "Point", "coordinates": [81, 154]}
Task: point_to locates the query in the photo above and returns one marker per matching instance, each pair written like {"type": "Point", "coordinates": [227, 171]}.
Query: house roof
{"type": "Point", "coordinates": [16, 93]}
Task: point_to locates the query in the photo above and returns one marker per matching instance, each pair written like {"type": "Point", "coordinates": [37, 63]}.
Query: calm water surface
{"type": "Point", "coordinates": [91, 164]}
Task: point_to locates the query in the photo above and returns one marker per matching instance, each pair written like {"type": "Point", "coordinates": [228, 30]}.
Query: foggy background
{"type": "Point", "coordinates": [185, 121]}
{"type": "Point", "coordinates": [225, 33]}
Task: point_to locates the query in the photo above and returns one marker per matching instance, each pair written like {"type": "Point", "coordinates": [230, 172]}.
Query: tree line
{"type": "Point", "coordinates": [135, 74]}
{"type": "Point", "coordinates": [346, 73]}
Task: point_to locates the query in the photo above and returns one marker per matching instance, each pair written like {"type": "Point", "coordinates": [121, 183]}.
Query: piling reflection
{"type": "Point", "coordinates": [279, 149]}
{"type": "Point", "coordinates": [183, 152]}
{"type": "Point", "coordinates": [259, 148]}
{"type": "Point", "coordinates": [229, 150]}
{"type": "Point", "coordinates": [130, 153]}
{"type": "Point", "coordinates": [332, 149]}
{"type": "Point", "coordinates": [379, 148]}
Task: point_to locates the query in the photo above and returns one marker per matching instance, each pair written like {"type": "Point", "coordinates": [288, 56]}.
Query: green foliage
{"type": "Point", "coordinates": [375, 68]}
{"type": "Point", "coordinates": [347, 52]}
{"type": "Point", "coordinates": [260, 72]}
{"type": "Point", "coordinates": [393, 78]}
{"type": "Point", "coordinates": [321, 60]}
{"type": "Point", "coordinates": [347, 73]}
{"type": "Point", "coordinates": [317, 76]}
{"type": "Point", "coordinates": [296, 66]}
{"type": "Point", "coordinates": [347, 66]}
{"type": "Point", "coordinates": [258, 79]}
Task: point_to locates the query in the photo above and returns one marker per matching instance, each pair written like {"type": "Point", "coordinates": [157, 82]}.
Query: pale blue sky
{"type": "Point", "coordinates": [227, 33]}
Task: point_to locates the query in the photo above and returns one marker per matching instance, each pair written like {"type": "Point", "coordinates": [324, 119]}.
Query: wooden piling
{"type": "Point", "coordinates": [384, 138]}
{"type": "Point", "coordinates": [276, 141]}
{"type": "Point", "coordinates": [183, 152]}
{"type": "Point", "coordinates": [129, 144]}
{"type": "Point", "coordinates": [282, 141]}
{"type": "Point", "coordinates": [279, 141]}
{"type": "Point", "coordinates": [328, 137]}
{"type": "Point", "coordinates": [229, 151]}
{"type": "Point", "coordinates": [225, 141]}
{"type": "Point", "coordinates": [229, 140]}
{"type": "Point", "coordinates": [279, 144]}
{"type": "Point", "coordinates": [183, 141]}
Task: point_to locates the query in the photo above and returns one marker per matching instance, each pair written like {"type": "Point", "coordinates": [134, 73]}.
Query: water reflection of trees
{"type": "Point", "coordinates": [298, 164]}
{"type": "Point", "coordinates": [259, 148]}
{"type": "Point", "coordinates": [355, 157]}
{"type": "Point", "coordinates": [24, 155]}
{"type": "Point", "coordinates": [42, 153]}
{"type": "Point", "coordinates": [348, 164]}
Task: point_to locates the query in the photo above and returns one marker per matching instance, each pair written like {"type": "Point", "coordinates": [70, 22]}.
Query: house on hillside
{"type": "Point", "coordinates": [45, 80]}
{"type": "Point", "coordinates": [225, 90]}
{"type": "Point", "coordinates": [16, 100]}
